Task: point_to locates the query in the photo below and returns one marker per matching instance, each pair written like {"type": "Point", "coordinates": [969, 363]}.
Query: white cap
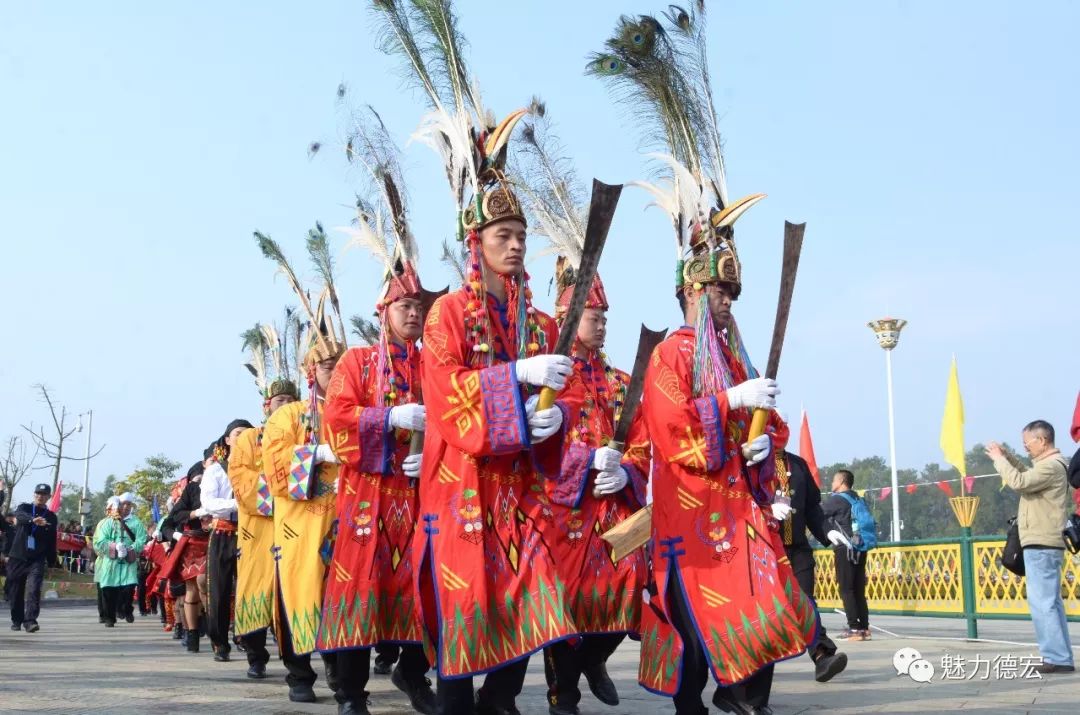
{"type": "Point", "coordinates": [112, 503]}
{"type": "Point", "coordinates": [127, 497]}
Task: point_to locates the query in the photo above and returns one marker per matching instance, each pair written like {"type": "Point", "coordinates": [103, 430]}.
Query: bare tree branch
{"type": "Point", "coordinates": [14, 465]}
{"type": "Point", "coordinates": [54, 448]}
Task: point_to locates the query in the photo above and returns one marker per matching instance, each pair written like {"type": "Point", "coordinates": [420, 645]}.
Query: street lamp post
{"type": "Point", "coordinates": [887, 331]}
{"type": "Point", "coordinates": [84, 504]}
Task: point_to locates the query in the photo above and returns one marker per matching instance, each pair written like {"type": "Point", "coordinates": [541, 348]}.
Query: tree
{"type": "Point", "coordinates": [54, 447]}
{"type": "Point", "coordinates": [925, 511]}
{"type": "Point", "coordinates": [154, 479]}
{"type": "Point", "coordinates": [13, 467]}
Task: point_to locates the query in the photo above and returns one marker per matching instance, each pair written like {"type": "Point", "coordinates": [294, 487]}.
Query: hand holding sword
{"type": "Point", "coordinates": [647, 342]}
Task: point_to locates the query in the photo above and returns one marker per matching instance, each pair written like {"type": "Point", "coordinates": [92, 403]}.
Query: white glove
{"type": "Point", "coordinates": [121, 550]}
{"type": "Point", "coordinates": [544, 370]}
{"type": "Point", "coordinates": [836, 538]}
{"type": "Point", "coordinates": [757, 450]}
{"type": "Point", "coordinates": [611, 482]}
{"type": "Point", "coordinates": [759, 392]}
{"type": "Point", "coordinates": [176, 535]}
{"type": "Point", "coordinates": [409, 417]}
{"type": "Point", "coordinates": [198, 513]}
{"type": "Point", "coordinates": [781, 511]}
{"type": "Point", "coordinates": [323, 454]}
{"type": "Point", "coordinates": [411, 465]}
{"type": "Point", "coordinates": [606, 459]}
{"type": "Point", "coordinates": [542, 423]}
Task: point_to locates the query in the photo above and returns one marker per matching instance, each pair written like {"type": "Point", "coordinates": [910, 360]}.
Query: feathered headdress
{"type": "Point", "coordinates": [663, 75]}
{"type": "Point", "coordinates": [382, 227]}
{"type": "Point", "coordinates": [326, 341]}
{"type": "Point", "coordinates": [471, 145]}
{"type": "Point", "coordinates": [557, 205]}
{"type": "Point", "coordinates": [268, 363]}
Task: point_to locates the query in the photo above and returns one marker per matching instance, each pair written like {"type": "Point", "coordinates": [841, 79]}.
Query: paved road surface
{"type": "Point", "coordinates": [74, 665]}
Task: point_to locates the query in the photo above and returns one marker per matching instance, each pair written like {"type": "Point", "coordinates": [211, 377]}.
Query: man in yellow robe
{"type": "Point", "coordinates": [302, 472]}
{"type": "Point", "coordinates": [255, 562]}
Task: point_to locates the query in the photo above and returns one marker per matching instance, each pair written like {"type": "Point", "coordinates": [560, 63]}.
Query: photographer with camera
{"type": "Point", "coordinates": [1044, 502]}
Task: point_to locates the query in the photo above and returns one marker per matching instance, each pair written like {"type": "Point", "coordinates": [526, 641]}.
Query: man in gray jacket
{"type": "Point", "coordinates": [1044, 502]}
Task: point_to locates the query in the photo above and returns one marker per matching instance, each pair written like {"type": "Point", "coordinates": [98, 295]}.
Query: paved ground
{"type": "Point", "coordinates": [74, 665]}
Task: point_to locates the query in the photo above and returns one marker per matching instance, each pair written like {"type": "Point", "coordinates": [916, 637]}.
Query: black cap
{"type": "Point", "coordinates": [43, 489]}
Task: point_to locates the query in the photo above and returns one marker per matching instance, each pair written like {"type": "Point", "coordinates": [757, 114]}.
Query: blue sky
{"type": "Point", "coordinates": [930, 147]}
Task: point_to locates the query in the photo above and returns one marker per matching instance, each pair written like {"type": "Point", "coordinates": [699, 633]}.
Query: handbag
{"type": "Point", "coordinates": [1012, 556]}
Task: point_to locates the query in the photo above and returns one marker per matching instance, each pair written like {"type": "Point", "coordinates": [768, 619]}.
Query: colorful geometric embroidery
{"type": "Point", "coordinates": [264, 501]}
{"type": "Point", "coordinates": [302, 473]}
{"type": "Point", "coordinates": [502, 409]}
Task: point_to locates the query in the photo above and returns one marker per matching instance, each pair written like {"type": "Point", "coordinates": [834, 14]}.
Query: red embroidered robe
{"type": "Point", "coordinates": [712, 531]}
{"type": "Point", "coordinates": [370, 589]}
{"type": "Point", "coordinates": [489, 590]}
{"type": "Point", "coordinates": [605, 595]}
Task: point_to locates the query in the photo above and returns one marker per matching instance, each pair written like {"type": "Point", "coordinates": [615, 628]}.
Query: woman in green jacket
{"type": "Point", "coordinates": [117, 543]}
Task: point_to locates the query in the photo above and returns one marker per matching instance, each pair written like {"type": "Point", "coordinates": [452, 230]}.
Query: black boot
{"type": "Point", "coordinates": [178, 632]}
{"type": "Point", "coordinates": [419, 691]}
{"type": "Point", "coordinates": [826, 666]}
{"type": "Point", "coordinates": [601, 686]}
{"type": "Point", "coordinates": [192, 641]}
{"type": "Point", "coordinates": [350, 707]}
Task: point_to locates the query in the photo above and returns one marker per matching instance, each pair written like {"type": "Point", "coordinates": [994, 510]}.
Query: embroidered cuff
{"type": "Point", "coordinates": [376, 439]}
{"type": "Point", "coordinates": [639, 483]}
{"type": "Point", "coordinates": [762, 478]}
{"type": "Point", "coordinates": [709, 412]}
{"type": "Point", "coordinates": [574, 475]}
{"type": "Point", "coordinates": [504, 412]}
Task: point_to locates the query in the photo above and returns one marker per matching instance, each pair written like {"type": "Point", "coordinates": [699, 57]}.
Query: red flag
{"type": "Point", "coordinates": [945, 487]}
{"type": "Point", "coordinates": [806, 448]}
{"type": "Point", "coordinates": [969, 482]}
{"type": "Point", "coordinates": [910, 488]}
{"type": "Point", "coordinates": [1075, 430]}
{"type": "Point", "coordinates": [885, 492]}
{"type": "Point", "coordinates": [54, 503]}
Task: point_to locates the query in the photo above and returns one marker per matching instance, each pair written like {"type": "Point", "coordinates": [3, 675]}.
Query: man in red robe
{"type": "Point", "coordinates": [372, 407]}
{"type": "Point", "coordinates": [726, 600]}
{"type": "Point", "coordinates": [600, 487]}
{"type": "Point", "coordinates": [490, 593]}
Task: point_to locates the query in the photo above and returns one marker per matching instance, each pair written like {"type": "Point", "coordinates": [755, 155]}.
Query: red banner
{"type": "Point", "coordinates": [70, 542]}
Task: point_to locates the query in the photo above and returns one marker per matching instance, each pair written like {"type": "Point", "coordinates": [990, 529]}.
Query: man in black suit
{"type": "Point", "coordinates": [33, 546]}
{"type": "Point", "coordinates": [797, 485]}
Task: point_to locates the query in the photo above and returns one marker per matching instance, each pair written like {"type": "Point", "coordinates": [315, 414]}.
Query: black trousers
{"type": "Point", "coordinates": [125, 603]}
{"type": "Point", "coordinates": [564, 664]}
{"type": "Point", "coordinates": [754, 690]}
{"type": "Point", "coordinates": [802, 563]}
{"type": "Point", "coordinates": [354, 669]}
{"type": "Point", "coordinates": [220, 587]}
{"type": "Point", "coordinates": [23, 589]}
{"type": "Point", "coordinates": [387, 653]}
{"type": "Point", "coordinates": [100, 602]}
{"type": "Point", "coordinates": [298, 670]}
{"type": "Point", "coordinates": [255, 645]}
{"type": "Point", "coordinates": [501, 687]}
{"type": "Point", "coordinates": [851, 578]}
{"type": "Point", "coordinates": [140, 595]}
{"type": "Point", "coordinates": [113, 597]}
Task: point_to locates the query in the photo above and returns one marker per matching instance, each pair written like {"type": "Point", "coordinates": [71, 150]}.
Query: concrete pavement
{"type": "Point", "coordinates": [75, 665]}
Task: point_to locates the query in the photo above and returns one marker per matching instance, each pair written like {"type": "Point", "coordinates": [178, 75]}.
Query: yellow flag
{"type": "Point", "coordinates": [952, 424]}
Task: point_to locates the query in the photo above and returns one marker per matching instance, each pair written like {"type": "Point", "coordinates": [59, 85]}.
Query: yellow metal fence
{"type": "Point", "coordinates": [926, 578]}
